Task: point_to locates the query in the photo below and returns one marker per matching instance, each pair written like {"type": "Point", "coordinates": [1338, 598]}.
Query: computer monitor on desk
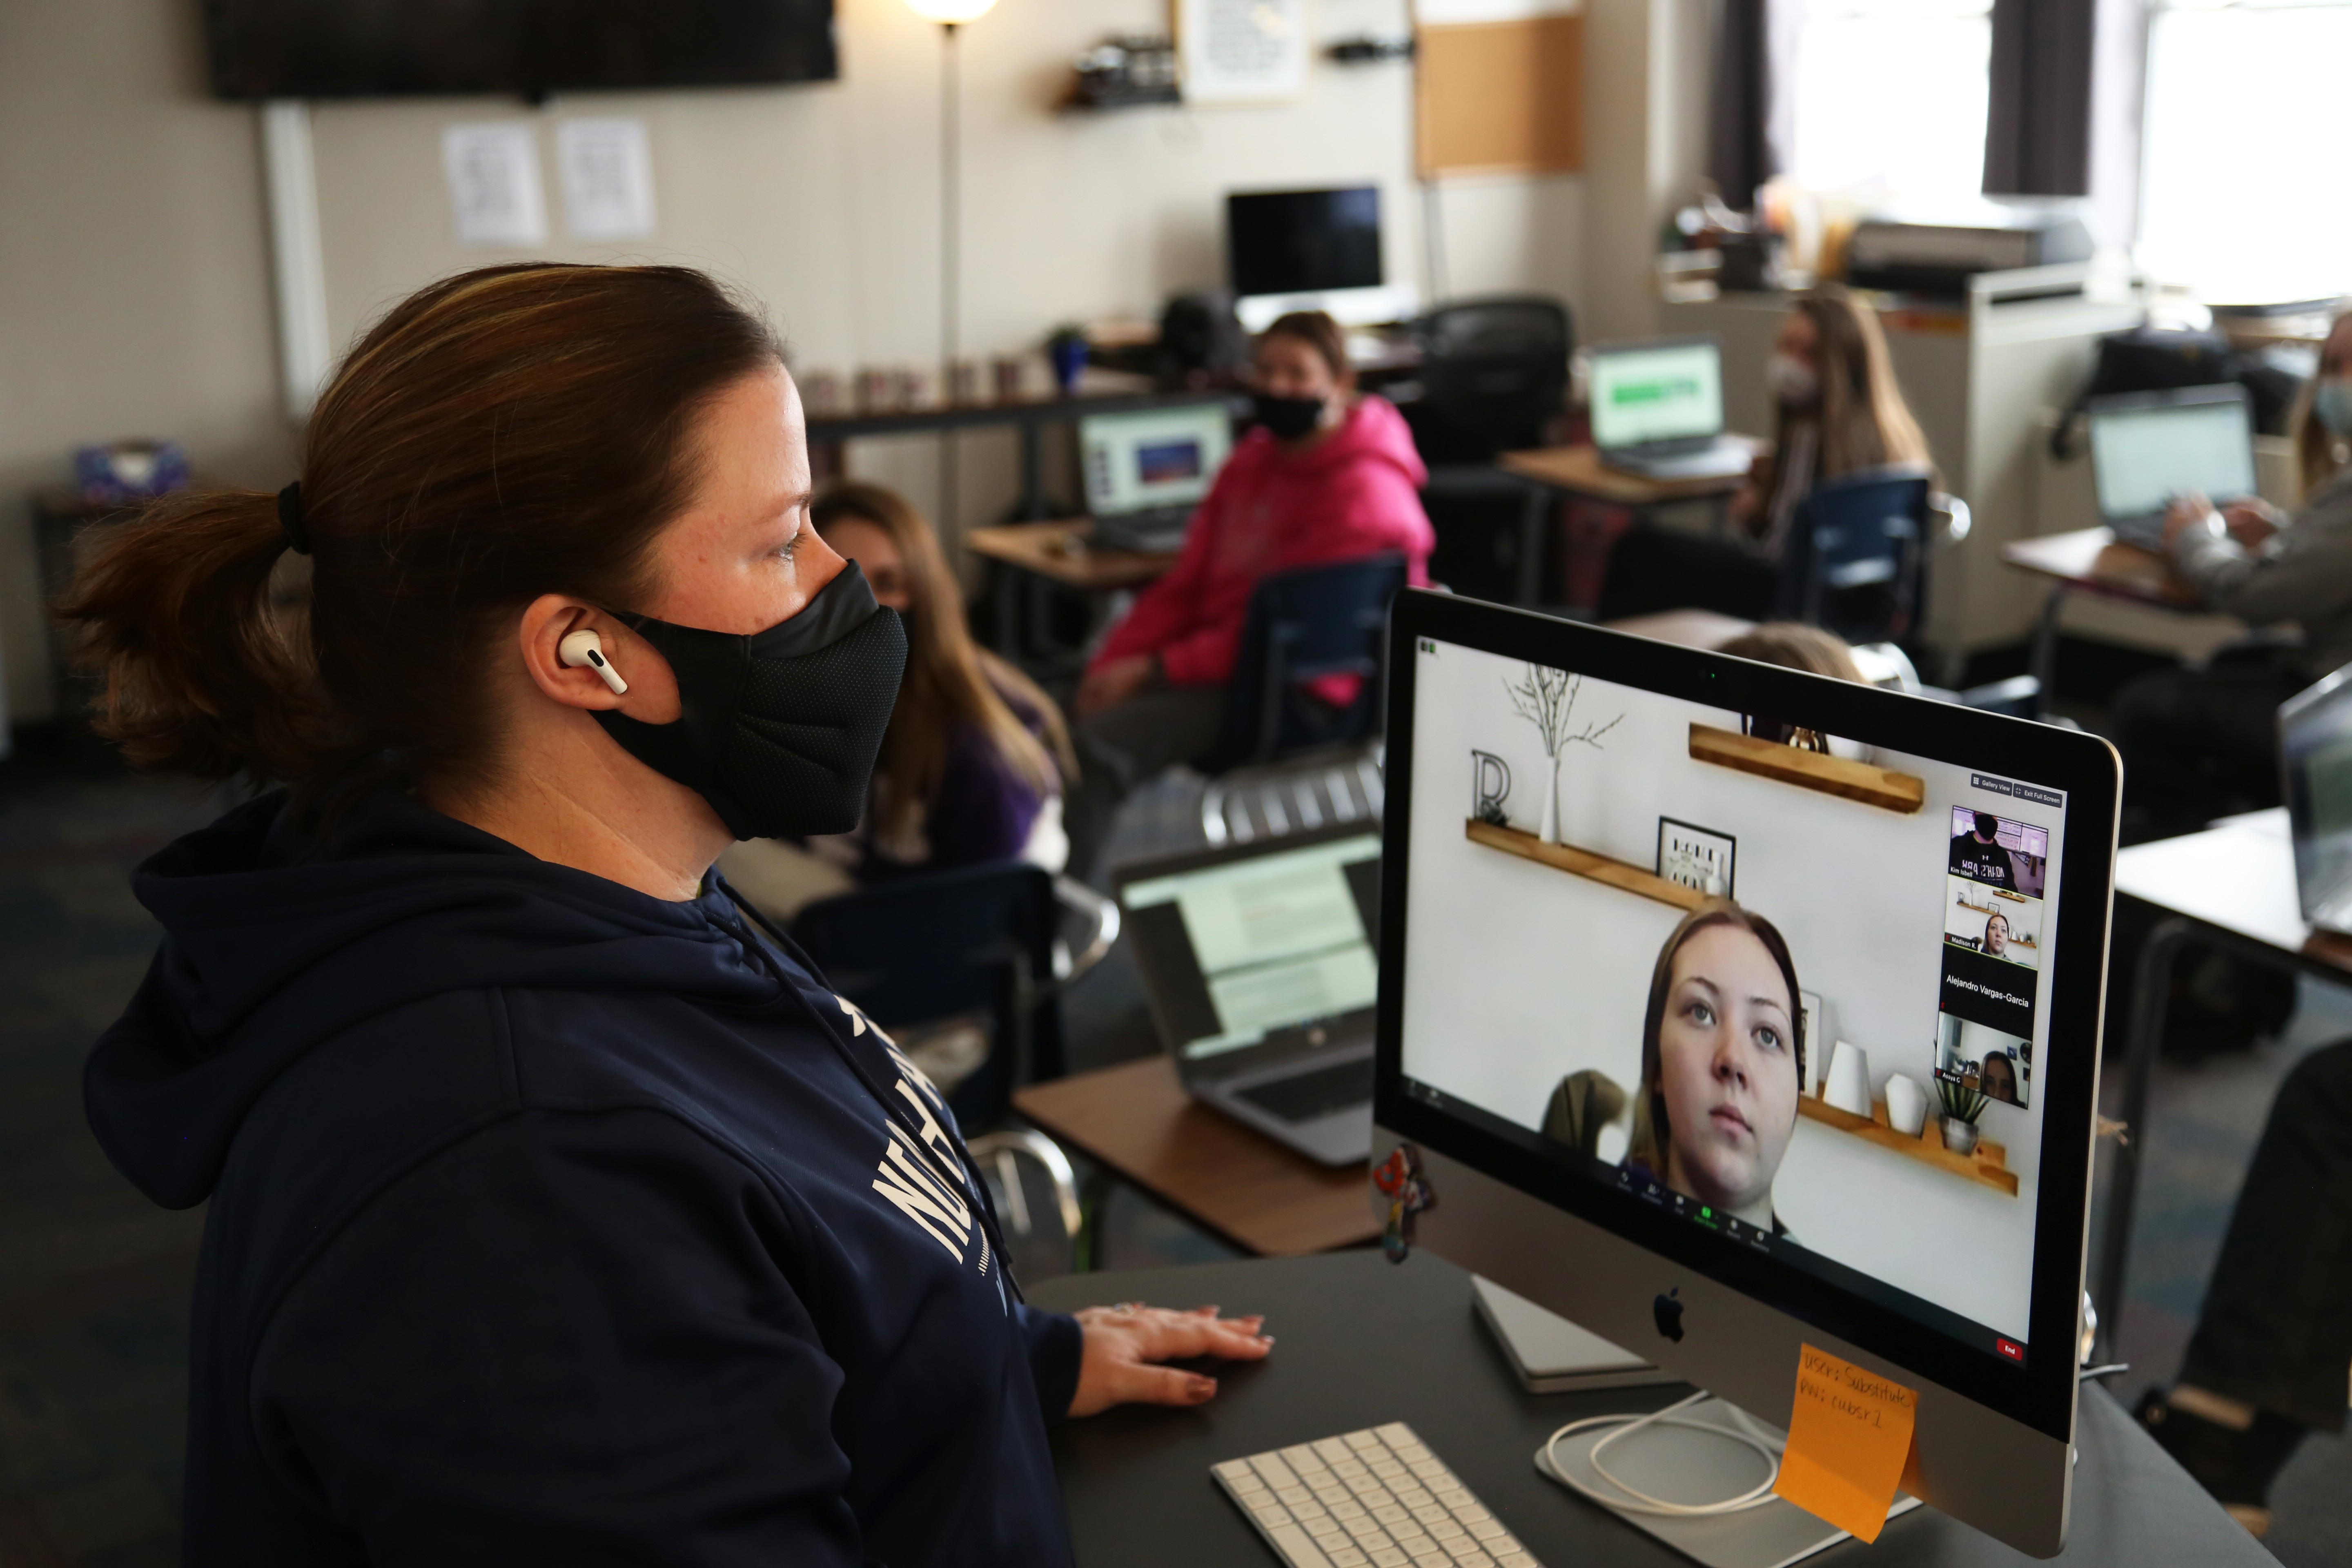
{"type": "Point", "coordinates": [1631, 901]}
{"type": "Point", "coordinates": [1310, 250]}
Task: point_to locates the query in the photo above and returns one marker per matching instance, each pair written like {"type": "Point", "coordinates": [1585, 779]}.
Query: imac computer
{"type": "Point", "coordinates": [1674, 994]}
{"type": "Point", "coordinates": [1310, 250]}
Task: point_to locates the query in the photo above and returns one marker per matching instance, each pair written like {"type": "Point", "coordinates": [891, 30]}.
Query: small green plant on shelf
{"type": "Point", "coordinates": [1961, 1104]}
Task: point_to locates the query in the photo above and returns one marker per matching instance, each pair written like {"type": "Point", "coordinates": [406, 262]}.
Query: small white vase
{"type": "Point", "coordinates": [1907, 1105]}
{"type": "Point", "coordinates": [1849, 1081]}
{"type": "Point", "coordinates": [1550, 830]}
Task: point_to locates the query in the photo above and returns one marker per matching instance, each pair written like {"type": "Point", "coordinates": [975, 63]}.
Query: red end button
{"type": "Point", "coordinates": [2013, 1351]}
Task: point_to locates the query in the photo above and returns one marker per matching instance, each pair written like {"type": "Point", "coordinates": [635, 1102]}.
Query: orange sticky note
{"type": "Point", "coordinates": [1847, 1443]}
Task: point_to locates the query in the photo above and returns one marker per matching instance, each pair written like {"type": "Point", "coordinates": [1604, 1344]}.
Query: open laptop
{"type": "Point", "coordinates": [2149, 447]}
{"type": "Point", "coordinates": [1147, 470]}
{"type": "Point", "coordinates": [1657, 409]}
{"type": "Point", "coordinates": [2316, 758]}
{"type": "Point", "coordinates": [1261, 971]}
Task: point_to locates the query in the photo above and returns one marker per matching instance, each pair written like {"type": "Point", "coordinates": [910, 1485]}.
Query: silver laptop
{"type": "Point", "coordinates": [2316, 757]}
{"type": "Point", "coordinates": [1657, 409]}
{"type": "Point", "coordinates": [1260, 962]}
{"type": "Point", "coordinates": [1145, 471]}
{"type": "Point", "coordinates": [2149, 447]}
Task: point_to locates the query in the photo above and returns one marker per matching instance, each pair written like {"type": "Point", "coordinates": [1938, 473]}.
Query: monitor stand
{"type": "Point", "coordinates": [1684, 1465]}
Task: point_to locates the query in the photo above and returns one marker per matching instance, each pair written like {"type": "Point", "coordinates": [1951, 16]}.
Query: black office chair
{"type": "Point", "coordinates": [1856, 559]}
{"type": "Point", "coordinates": [1303, 625]}
{"type": "Point", "coordinates": [950, 947]}
{"type": "Point", "coordinates": [1494, 375]}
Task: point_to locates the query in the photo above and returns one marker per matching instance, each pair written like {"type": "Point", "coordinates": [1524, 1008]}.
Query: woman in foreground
{"type": "Point", "coordinates": [559, 1213]}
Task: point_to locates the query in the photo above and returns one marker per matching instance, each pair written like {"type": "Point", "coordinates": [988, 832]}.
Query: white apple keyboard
{"type": "Point", "coordinates": [1377, 1496]}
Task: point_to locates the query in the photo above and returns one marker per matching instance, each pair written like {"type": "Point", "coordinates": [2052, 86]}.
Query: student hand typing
{"type": "Point", "coordinates": [2251, 523]}
{"type": "Point", "coordinates": [2187, 513]}
{"type": "Point", "coordinates": [1123, 1342]}
{"type": "Point", "coordinates": [1113, 683]}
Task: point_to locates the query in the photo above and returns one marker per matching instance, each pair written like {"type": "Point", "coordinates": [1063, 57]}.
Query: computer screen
{"type": "Point", "coordinates": [2145, 454]}
{"type": "Point", "coordinates": [1687, 964]}
{"type": "Point", "coordinates": [1301, 242]}
{"type": "Point", "coordinates": [1159, 457]}
{"type": "Point", "coordinates": [1662, 392]}
{"type": "Point", "coordinates": [1240, 950]}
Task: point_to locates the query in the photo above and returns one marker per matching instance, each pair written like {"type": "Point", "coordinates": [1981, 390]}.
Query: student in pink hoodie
{"type": "Point", "coordinates": [1326, 476]}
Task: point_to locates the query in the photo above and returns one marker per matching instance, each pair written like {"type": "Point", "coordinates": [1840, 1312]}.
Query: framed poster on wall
{"type": "Point", "coordinates": [1242, 51]}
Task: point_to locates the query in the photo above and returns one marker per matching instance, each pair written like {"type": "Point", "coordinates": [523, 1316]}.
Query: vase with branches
{"type": "Point", "coordinates": [1547, 699]}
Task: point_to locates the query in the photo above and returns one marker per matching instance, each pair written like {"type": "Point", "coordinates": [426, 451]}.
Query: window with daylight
{"type": "Point", "coordinates": [2243, 193]}
{"type": "Point", "coordinates": [1888, 97]}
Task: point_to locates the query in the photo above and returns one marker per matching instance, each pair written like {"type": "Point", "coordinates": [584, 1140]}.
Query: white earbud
{"type": "Point", "coordinates": [585, 649]}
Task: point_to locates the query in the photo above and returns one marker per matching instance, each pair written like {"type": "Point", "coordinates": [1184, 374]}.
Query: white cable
{"type": "Point", "coordinates": [1755, 1497]}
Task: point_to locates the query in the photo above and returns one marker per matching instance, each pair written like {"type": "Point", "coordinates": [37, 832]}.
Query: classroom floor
{"type": "Point", "coordinates": [94, 1280]}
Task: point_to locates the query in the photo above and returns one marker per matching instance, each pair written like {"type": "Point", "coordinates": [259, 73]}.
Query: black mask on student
{"type": "Point", "coordinates": [1289, 418]}
{"type": "Point", "coordinates": [780, 729]}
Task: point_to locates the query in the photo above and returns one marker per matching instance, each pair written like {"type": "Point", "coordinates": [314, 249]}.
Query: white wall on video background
{"type": "Point", "coordinates": [1517, 973]}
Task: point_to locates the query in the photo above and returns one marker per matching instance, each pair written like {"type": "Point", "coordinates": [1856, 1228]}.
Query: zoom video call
{"type": "Point", "coordinates": [1782, 985]}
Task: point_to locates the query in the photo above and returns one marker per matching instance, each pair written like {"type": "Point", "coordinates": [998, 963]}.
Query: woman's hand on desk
{"type": "Point", "coordinates": [2251, 523]}
{"type": "Point", "coordinates": [2186, 513]}
{"type": "Point", "coordinates": [1113, 683]}
{"type": "Point", "coordinates": [1123, 1344]}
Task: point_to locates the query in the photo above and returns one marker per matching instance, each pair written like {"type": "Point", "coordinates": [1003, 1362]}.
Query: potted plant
{"type": "Point", "coordinates": [1066, 347]}
{"type": "Point", "coordinates": [1546, 697]}
{"type": "Point", "coordinates": [1962, 1106]}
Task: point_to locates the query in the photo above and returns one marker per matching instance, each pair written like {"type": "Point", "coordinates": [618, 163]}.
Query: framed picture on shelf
{"type": "Point", "coordinates": [1696, 858]}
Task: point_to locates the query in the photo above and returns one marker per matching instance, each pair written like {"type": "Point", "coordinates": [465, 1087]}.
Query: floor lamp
{"type": "Point", "coordinates": [950, 14]}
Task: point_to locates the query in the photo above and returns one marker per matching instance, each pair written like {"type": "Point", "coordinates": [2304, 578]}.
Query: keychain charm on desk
{"type": "Point", "coordinates": [1399, 1179]}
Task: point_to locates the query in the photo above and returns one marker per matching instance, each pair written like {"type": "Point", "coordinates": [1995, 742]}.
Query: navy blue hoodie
{"type": "Point", "coordinates": [556, 1224]}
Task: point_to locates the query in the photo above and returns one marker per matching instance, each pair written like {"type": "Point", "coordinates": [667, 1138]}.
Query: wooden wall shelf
{"type": "Point", "coordinates": [1865, 782]}
{"type": "Point", "coordinates": [1988, 1166]}
{"type": "Point", "coordinates": [1584, 863]}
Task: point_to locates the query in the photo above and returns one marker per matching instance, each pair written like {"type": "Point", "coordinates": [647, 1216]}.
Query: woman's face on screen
{"type": "Point", "coordinates": [1728, 1066]}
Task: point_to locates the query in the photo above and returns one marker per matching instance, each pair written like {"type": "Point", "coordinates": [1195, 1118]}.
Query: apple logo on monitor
{"type": "Point", "coordinates": [1668, 1312]}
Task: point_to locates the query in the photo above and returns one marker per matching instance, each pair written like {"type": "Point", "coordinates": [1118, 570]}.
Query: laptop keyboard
{"type": "Point", "coordinates": [1376, 1496]}
{"type": "Point", "coordinates": [1316, 1094]}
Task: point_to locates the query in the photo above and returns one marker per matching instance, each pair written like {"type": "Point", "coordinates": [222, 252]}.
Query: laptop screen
{"type": "Point", "coordinates": [1658, 392]}
{"type": "Point", "coordinates": [1159, 457]}
{"type": "Point", "coordinates": [2316, 743]}
{"type": "Point", "coordinates": [2144, 455]}
{"type": "Point", "coordinates": [1243, 948]}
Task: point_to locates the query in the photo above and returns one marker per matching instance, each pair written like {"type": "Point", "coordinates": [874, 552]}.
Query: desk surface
{"type": "Point", "coordinates": [1058, 550]}
{"type": "Point", "coordinates": [1137, 1120]}
{"type": "Point", "coordinates": [1580, 471]}
{"type": "Point", "coordinates": [1359, 1343]}
{"type": "Point", "coordinates": [2091, 559]}
{"type": "Point", "coordinates": [2239, 875]}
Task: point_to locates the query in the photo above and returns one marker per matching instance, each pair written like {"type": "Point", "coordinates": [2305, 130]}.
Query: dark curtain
{"type": "Point", "coordinates": [1740, 143]}
{"type": "Point", "coordinates": [2038, 122]}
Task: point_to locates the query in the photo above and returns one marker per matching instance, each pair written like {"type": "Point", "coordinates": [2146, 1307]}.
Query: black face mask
{"type": "Point", "coordinates": [780, 728]}
{"type": "Point", "coordinates": [1289, 418]}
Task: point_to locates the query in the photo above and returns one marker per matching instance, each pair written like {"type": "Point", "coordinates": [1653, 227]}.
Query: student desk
{"type": "Point", "coordinates": [2090, 561]}
{"type": "Point", "coordinates": [1137, 1122]}
{"type": "Point", "coordinates": [1025, 557]}
{"type": "Point", "coordinates": [1359, 1341]}
{"type": "Point", "coordinates": [2231, 885]}
{"type": "Point", "coordinates": [1577, 472]}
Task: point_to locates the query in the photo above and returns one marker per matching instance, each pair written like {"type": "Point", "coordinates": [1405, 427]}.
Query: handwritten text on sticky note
{"type": "Point", "coordinates": [1847, 1443]}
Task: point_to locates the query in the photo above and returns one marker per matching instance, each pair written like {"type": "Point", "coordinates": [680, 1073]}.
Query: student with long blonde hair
{"type": "Point", "coordinates": [1838, 410]}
